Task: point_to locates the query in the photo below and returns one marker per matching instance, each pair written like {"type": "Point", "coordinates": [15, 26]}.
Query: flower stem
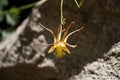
{"type": "Point", "coordinates": [61, 11]}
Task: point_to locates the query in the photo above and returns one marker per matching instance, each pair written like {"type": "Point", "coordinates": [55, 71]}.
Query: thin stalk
{"type": "Point", "coordinates": [20, 8]}
{"type": "Point", "coordinates": [27, 6]}
{"type": "Point", "coordinates": [61, 11]}
{"type": "Point", "coordinates": [79, 4]}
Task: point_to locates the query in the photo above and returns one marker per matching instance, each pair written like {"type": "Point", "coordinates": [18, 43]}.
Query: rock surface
{"type": "Point", "coordinates": [107, 68]}
{"type": "Point", "coordinates": [93, 59]}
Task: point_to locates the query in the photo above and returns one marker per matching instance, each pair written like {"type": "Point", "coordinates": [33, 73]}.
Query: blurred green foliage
{"type": "Point", "coordinates": [2, 4]}
{"type": "Point", "coordinates": [11, 16]}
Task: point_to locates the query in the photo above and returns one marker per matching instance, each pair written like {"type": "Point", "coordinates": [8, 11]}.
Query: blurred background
{"type": "Point", "coordinates": [12, 13]}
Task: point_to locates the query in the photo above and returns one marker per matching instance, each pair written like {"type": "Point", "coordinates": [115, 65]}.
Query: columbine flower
{"type": "Point", "coordinates": [60, 42]}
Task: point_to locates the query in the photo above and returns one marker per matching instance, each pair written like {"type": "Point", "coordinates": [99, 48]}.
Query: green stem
{"type": "Point", "coordinates": [61, 12]}
{"type": "Point", "coordinates": [27, 6]}
{"type": "Point", "coordinates": [61, 9]}
{"type": "Point", "coordinates": [20, 8]}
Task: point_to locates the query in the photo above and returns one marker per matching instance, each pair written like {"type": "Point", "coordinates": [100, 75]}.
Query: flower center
{"type": "Point", "coordinates": [59, 44]}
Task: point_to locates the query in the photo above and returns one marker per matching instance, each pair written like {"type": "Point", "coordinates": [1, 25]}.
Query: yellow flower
{"type": "Point", "coordinates": [60, 42]}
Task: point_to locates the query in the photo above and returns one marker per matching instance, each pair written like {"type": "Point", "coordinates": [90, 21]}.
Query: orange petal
{"type": "Point", "coordinates": [65, 40]}
{"type": "Point", "coordinates": [66, 30]}
{"type": "Point", "coordinates": [59, 32]}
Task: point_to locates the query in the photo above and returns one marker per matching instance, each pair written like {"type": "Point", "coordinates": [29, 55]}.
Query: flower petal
{"type": "Point", "coordinates": [60, 54]}
{"type": "Point", "coordinates": [73, 46]}
{"type": "Point", "coordinates": [51, 49]}
{"type": "Point", "coordinates": [66, 30]}
{"type": "Point", "coordinates": [59, 32]}
{"type": "Point", "coordinates": [66, 50]}
{"type": "Point", "coordinates": [49, 31]}
{"type": "Point", "coordinates": [65, 40]}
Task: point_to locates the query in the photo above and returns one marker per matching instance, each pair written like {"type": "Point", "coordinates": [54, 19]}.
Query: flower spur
{"type": "Point", "coordinates": [60, 41]}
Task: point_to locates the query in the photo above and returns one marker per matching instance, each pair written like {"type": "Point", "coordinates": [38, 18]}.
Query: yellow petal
{"type": "Point", "coordinates": [51, 49]}
{"type": "Point", "coordinates": [60, 54]}
{"type": "Point", "coordinates": [66, 50]}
